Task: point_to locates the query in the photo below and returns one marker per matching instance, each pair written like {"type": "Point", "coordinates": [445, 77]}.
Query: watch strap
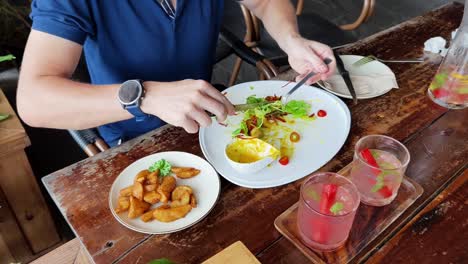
{"type": "Point", "coordinates": [135, 110]}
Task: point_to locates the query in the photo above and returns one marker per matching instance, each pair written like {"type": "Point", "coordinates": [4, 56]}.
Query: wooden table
{"type": "Point", "coordinates": [26, 227]}
{"type": "Point", "coordinates": [431, 230]}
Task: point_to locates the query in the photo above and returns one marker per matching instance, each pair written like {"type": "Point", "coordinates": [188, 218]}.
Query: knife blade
{"type": "Point", "coordinates": [345, 74]}
{"type": "Point", "coordinates": [245, 107]}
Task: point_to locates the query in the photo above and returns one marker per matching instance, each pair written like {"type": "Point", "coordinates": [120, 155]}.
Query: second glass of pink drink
{"type": "Point", "coordinates": [327, 207]}
{"type": "Point", "coordinates": [378, 168]}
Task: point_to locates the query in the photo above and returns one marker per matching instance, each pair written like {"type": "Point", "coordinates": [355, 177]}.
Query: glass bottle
{"type": "Point", "coordinates": [449, 88]}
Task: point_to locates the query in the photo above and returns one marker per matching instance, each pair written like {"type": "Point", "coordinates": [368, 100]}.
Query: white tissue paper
{"type": "Point", "coordinates": [437, 44]}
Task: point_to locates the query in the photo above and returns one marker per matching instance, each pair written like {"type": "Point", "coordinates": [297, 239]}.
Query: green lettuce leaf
{"type": "Point", "coordinates": [254, 100]}
{"type": "Point", "coordinates": [297, 108]}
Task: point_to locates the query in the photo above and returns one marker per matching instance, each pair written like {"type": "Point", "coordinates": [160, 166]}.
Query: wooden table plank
{"type": "Point", "coordinates": [81, 191]}
{"type": "Point", "coordinates": [437, 234]}
{"type": "Point", "coordinates": [437, 155]}
{"type": "Point", "coordinates": [400, 114]}
{"type": "Point", "coordinates": [20, 187]}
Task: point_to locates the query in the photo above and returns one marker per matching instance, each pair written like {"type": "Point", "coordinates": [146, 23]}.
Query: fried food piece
{"type": "Point", "coordinates": [183, 200]}
{"type": "Point", "coordinates": [193, 201]}
{"type": "Point", "coordinates": [179, 191]}
{"type": "Point", "coordinates": [137, 191]}
{"type": "Point", "coordinates": [123, 203]}
{"type": "Point", "coordinates": [180, 169]}
{"type": "Point", "coordinates": [168, 184]}
{"type": "Point", "coordinates": [152, 178]}
{"type": "Point", "coordinates": [165, 214]}
{"type": "Point", "coordinates": [152, 197]}
{"type": "Point", "coordinates": [137, 207]}
{"type": "Point", "coordinates": [150, 187]}
{"type": "Point", "coordinates": [148, 216]}
{"type": "Point", "coordinates": [187, 173]}
{"type": "Point", "coordinates": [127, 191]}
{"type": "Point", "coordinates": [141, 176]}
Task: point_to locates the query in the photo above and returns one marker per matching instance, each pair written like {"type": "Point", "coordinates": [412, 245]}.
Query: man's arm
{"type": "Point", "coordinates": [279, 18]}
{"type": "Point", "coordinates": [48, 98]}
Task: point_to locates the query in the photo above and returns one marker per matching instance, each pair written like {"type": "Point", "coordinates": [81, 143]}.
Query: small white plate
{"type": "Point", "coordinates": [320, 140]}
{"type": "Point", "coordinates": [378, 79]}
{"type": "Point", "coordinates": [206, 187]}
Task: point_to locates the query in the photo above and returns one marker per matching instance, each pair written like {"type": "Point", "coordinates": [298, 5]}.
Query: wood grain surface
{"type": "Point", "coordinates": [437, 234]}
{"type": "Point", "coordinates": [434, 135]}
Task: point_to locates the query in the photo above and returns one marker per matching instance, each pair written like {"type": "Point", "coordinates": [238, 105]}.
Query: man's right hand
{"type": "Point", "coordinates": [183, 103]}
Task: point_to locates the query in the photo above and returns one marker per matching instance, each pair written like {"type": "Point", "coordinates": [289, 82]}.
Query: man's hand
{"type": "Point", "coordinates": [183, 103]}
{"type": "Point", "coordinates": [306, 55]}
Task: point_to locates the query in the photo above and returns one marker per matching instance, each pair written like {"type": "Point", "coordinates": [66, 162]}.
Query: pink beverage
{"type": "Point", "coordinates": [449, 88]}
{"type": "Point", "coordinates": [378, 168]}
{"type": "Point", "coordinates": [450, 85]}
{"type": "Point", "coordinates": [327, 207]}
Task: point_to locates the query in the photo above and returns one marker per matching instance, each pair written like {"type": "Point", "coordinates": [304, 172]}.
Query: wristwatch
{"type": "Point", "coordinates": [130, 94]}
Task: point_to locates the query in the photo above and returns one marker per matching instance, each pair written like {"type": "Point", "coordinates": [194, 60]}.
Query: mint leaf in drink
{"type": "Point", "coordinates": [161, 261]}
{"type": "Point", "coordinates": [4, 116]}
{"type": "Point", "coordinates": [312, 195]}
{"type": "Point", "coordinates": [336, 208]}
{"type": "Point", "coordinates": [163, 166]}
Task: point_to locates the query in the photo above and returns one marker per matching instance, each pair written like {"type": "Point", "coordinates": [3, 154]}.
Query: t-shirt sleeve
{"type": "Point", "coordinates": [68, 19]}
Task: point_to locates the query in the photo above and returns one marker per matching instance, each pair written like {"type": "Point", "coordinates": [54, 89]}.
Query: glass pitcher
{"type": "Point", "coordinates": [449, 88]}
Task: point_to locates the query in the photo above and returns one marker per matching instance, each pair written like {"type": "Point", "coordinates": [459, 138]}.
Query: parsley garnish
{"type": "Point", "coordinates": [163, 166]}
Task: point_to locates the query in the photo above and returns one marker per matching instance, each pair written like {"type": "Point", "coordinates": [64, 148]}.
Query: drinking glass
{"type": "Point", "coordinates": [378, 168]}
{"type": "Point", "coordinates": [327, 206]}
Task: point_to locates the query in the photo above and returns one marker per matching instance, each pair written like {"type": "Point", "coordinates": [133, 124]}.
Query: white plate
{"type": "Point", "coordinates": [381, 76]}
{"type": "Point", "coordinates": [320, 140]}
{"type": "Point", "coordinates": [206, 187]}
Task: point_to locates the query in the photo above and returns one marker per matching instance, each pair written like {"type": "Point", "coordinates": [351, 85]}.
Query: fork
{"type": "Point", "coordinates": [370, 58]}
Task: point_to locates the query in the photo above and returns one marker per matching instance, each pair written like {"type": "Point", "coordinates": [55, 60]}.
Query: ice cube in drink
{"type": "Point", "coordinates": [326, 211]}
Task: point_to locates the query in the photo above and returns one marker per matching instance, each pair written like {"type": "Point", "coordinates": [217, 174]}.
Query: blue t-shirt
{"type": "Point", "coordinates": [135, 39]}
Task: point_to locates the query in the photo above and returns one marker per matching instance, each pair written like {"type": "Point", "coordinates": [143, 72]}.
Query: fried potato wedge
{"type": "Point", "coordinates": [127, 191]}
{"type": "Point", "coordinates": [152, 197]}
{"type": "Point", "coordinates": [180, 169]}
{"type": "Point", "coordinates": [179, 191]}
{"type": "Point", "coordinates": [150, 187]}
{"type": "Point", "coordinates": [137, 207]}
{"type": "Point", "coordinates": [148, 216]}
{"type": "Point", "coordinates": [171, 214]}
{"type": "Point", "coordinates": [137, 191]}
{"type": "Point", "coordinates": [183, 200]}
{"type": "Point", "coordinates": [168, 184]}
{"type": "Point", "coordinates": [188, 173]}
{"type": "Point", "coordinates": [123, 203]}
{"type": "Point", "coordinates": [141, 176]}
{"type": "Point", "coordinates": [193, 201]}
{"type": "Point", "coordinates": [152, 178]}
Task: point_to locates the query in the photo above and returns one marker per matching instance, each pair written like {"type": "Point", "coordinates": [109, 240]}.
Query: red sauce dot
{"type": "Point", "coordinates": [322, 113]}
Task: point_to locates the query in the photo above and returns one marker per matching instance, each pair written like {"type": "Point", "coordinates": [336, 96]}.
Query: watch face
{"type": "Point", "coordinates": [130, 92]}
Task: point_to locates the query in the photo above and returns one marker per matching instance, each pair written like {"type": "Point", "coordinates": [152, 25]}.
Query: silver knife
{"type": "Point", "coordinates": [299, 84]}
{"type": "Point", "coordinates": [345, 74]}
